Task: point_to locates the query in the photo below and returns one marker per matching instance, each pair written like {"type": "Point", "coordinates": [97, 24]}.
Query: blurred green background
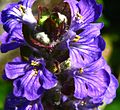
{"type": "Point", "coordinates": [110, 32]}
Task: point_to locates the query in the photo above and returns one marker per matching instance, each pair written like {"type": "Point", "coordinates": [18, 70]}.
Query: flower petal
{"type": "Point", "coordinates": [111, 91]}
{"type": "Point", "coordinates": [28, 86]}
{"type": "Point", "coordinates": [80, 88]}
{"type": "Point", "coordinates": [4, 37]}
{"type": "Point", "coordinates": [91, 30]}
{"type": "Point", "coordinates": [95, 66]}
{"type": "Point", "coordinates": [10, 46]}
{"type": "Point", "coordinates": [15, 69]}
{"type": "Point", "coordinates": [76, 58]}
{"type": "Point", "coordinates": [90, 10]}
{"type": "Point", "coordinates": [49, 80]}
{"type": "Point", "coordinates": [81, 54]}
{"type": "Point", "coordinates": [9, 25]}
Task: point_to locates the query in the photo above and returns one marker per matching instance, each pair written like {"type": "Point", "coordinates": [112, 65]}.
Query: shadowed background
{"type": "Point", "coordinates": [110, 32]}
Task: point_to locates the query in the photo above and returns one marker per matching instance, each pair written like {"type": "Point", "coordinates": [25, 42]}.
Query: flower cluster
{"type": "Point", "coordinates": [61, 66]}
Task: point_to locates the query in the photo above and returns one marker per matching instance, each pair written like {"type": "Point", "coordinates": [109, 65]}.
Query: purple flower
{"type": "Point", "coordinates": [86, 104]}
{"type": "Point", "coordinates": [80, 104]}
{"type": "Point", "coordinates": [94, 81]}
{"type": "Point", "coordinates": [83, 12]}
{"type": "Point", "coordinates": [18, 103]}
{"type": "Point", "coordinates": [16, 13]}
{"type": "Point", "coordinates": [31, 77]}
{"type": "Point", "coordinates": [91, 80]}
{"type": "Point", "coordinates": [12, 18]}
{"type": "Point", "coordinates": [87, 46]}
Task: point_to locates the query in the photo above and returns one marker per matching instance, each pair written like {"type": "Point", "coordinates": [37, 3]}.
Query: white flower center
{"type": "Point", "coordinates": [42, 37]}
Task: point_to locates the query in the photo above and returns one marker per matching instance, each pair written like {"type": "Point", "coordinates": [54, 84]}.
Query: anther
{"type": "Point", "coordinates": [34, 63]}
{"type": "Point", "coordinates": [76, 39]}
{"type": "Point", "coordinates": [36, 72]}
{"type": "Point", "coordinates": [22, 9]}
{"type": "Point", "coordinates": [56, 67]}
{"type": "Point", "coordinates": [83, 103]}
{"type": "Point", "coordinates": [79, 17]}
{"type": "Point", "coordinates": [81, 70]}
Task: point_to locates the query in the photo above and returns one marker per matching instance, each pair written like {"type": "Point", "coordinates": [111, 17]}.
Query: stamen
{"type": "Point", "coordinates": [36, 72]}
{"type": "Point", "coordinates": [56, 67]}
{"type": "Point", "coordinates": [83, 103]}
{"type": "Point", "coordinates": [81, 70]}
{"type": "Point", "coordinates": [22, 9]}
{"type": "Point", "coordinates": [76, 39]}
{"type": "Point", "coordinates": [34, 63]}
{"type": "Point", "coordinates": [79, 17]}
